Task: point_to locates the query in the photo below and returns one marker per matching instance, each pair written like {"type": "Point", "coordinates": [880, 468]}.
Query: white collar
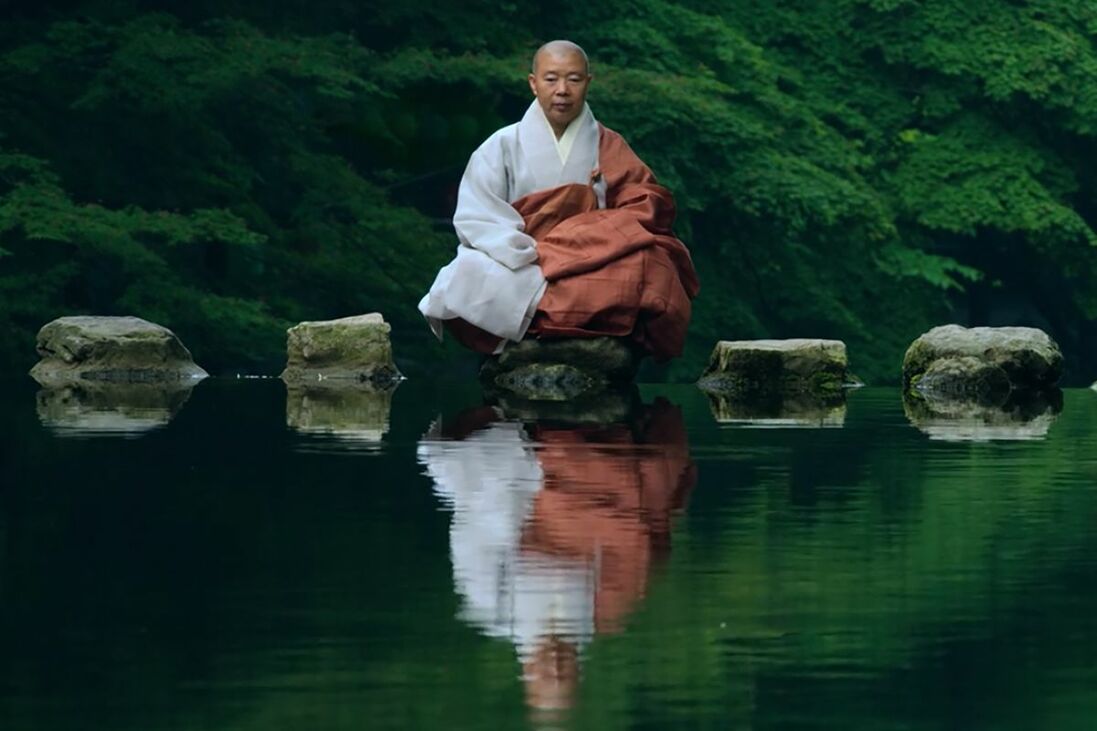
{"type": "Point", "coordinates": [565, 141]}
{"type": "Point", "coordinates": [550, 166]}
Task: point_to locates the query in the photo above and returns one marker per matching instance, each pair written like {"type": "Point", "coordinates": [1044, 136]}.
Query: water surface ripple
{"type": "Point", "coordinates": [241, 557]}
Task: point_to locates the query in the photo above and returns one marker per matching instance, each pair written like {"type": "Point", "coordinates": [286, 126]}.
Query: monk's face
{"type": "Point", "coordinates": [560, 82]}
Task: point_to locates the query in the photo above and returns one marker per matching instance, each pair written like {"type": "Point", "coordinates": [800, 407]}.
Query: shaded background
{"type": "Point", "coordinates": [856, 169]}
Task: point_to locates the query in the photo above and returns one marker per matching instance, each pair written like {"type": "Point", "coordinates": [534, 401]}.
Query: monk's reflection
{"type": "Point", "coordinates": [556, 528]}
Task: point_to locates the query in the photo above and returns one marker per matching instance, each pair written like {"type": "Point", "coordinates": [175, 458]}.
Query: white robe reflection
{"type": "Point", "coordinates": [490, 480]}
{"type": "Point", "coordinates": [555, 529]}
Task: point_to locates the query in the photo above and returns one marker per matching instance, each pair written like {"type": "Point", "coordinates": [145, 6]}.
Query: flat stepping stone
{"type": "Point", "coordinates": [752, 368]}
{"type": "Point", "coordinates": [350, 349]}
{"type": "Point", "coordinates": [123, 349]}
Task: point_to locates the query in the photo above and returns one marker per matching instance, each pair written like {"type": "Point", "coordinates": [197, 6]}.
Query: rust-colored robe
{"type": "Point", "coordinates": [615, 271]}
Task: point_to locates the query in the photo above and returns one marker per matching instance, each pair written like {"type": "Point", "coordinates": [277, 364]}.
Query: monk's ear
{"type": "Point", "coordinates": [532, 84]}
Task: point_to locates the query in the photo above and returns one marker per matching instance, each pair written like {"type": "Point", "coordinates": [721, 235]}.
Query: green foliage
{"type": "Point", "coordinates": [858, 169]}
{"type": "Point", "coordinates": [975, 175]}
{"type": "Point", "coordinates": [198, 183]}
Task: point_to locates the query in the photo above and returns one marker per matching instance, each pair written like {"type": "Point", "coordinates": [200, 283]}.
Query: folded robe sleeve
{"type": "Point", "coordinates": [484, 219]}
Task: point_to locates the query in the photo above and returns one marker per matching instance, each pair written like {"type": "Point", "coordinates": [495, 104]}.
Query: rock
{"type": "Point", "coordinates": [549, 382]}
{"type": "Point", "coordinates": [561, 370]}
{"type": "Point", "coordinates": [801, 410]}
{"type": "Point", "coordinates": [104, 408]}
{"type": "Point", "coordinates": [1093, 386]}
{"type": "Point", "coordinates": [354, 413]}
{"type": "Point", "coordinates": [1014, 416]}
{"type": "Point", "coordinates": [352, 349]}
{"type": "Point", "coordinates": [125, 349]}
{"type": "Point", "coordinates": [755, 368]}
{"type": "Point", "coordinates": [964, 376]}
{"type": "Point", "coordinates": [959, 360]}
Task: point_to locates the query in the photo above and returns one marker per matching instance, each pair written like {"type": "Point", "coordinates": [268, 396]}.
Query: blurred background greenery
{"type": "Point", "coordinates": [855, 169]}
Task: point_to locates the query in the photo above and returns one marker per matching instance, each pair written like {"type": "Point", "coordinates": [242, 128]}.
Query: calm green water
{"type": "Point", "coordinates": [234, 561]}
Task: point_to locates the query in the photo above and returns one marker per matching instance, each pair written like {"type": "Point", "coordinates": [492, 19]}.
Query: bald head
{"type": "Point", "coordinates": [560, 77]}
{"type": "Point", "coordinates": [559, 49]}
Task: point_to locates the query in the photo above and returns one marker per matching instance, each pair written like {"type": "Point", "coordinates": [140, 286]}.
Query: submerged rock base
{"type": "Point", "coordinates": [753, 369]}
{"type": "Point", "coordinates": [562, 369]}
{"type": "Point", "coordinates": [121, 349]}
{"type": "Point", "coordinates": [354, 349]}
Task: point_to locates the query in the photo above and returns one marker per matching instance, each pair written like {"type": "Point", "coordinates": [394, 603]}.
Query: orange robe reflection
{"type": "Point", "coordinates": [606, 503]}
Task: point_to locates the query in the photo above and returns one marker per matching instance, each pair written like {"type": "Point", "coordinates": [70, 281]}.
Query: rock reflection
{"type": "Point", "coordinates": [789, 410]}
{"type": "Point", "coordinates": [556, 528]}
{"type": "Point", "coordinates": [344, 416]}
{"type": "Point", "coordinates": [104, 408]}
{"type": "Point", "coordinates": [607, 407]}
{"type": "Point", "coordinates": [1016, 416]}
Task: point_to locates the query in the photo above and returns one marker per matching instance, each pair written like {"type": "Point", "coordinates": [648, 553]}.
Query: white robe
{"type": "Point", "coordinates": [494, 282]}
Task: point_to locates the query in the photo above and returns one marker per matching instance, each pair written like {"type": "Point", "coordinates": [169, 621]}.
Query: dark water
{"type": "Point", "coordinates": [234, 561]}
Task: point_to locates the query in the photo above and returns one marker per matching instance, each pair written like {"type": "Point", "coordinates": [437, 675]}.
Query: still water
{"type": "Point", "coordinates": [243, 558]}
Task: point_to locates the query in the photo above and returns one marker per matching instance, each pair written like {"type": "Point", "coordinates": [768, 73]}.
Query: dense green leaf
{"type": "Point", "coordinates": [858, 169]}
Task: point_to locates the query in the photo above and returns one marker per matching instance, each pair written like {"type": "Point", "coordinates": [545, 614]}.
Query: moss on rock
{"type": "Point", "coordinates": [562, 369]}
{"type": "Point", "coordinates": [1027, 357]}
{"type": "Point", "coordinates": [122, 349]}
{"type": "Point", "coordinates": [352, 348]}
{"type": "Point", "coordinates": [752, 368]}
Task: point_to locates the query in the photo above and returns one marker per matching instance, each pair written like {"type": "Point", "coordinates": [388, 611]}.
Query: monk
{"type": "Point", "coordinates": [563, 231]}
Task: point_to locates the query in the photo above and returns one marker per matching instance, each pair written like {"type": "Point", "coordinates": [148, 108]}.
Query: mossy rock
{"type": "Point", "coordinates": [354, 349]}
{"type": "Point", "coordinates": [561, 369]}
{"type": "Point", "coordinates": [118, 349]}
{"type": "Point", "coordinates": [963, 377]}
{"type": "Point", "coordinates": [1027, 357]}
{"type": "Point", "coordinates": [756, 368]}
